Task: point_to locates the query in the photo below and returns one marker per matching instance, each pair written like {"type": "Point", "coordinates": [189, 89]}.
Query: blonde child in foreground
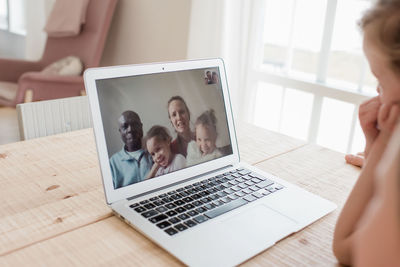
{"type": "Point", "coordinates": [158, 143]}
{"type": "Point", "coordinates": [367, 232]}
{"type": "Point", "coordinates": [204, 148]}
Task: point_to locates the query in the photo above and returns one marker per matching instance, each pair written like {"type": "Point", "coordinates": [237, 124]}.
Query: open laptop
{"type": "Point", "coordinates": [205, 206]}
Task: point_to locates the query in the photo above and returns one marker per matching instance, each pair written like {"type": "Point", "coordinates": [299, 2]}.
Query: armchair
{"type": "Point", "coordinates": [88, 46]}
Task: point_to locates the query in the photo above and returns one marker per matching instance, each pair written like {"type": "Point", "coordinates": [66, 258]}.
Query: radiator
{"type": "Point", "coordinates": [50, 117]}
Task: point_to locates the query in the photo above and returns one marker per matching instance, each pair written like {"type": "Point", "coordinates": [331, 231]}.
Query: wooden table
{"type": "Point", "coordinates": [53, 212]}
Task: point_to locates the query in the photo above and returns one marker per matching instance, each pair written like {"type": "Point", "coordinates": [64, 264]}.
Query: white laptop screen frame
{"type": "Point", "coordinates": [93, 74]}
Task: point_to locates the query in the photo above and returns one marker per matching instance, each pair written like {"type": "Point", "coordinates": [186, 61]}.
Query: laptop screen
{"type": "Point", "coordinates": [155, 124]}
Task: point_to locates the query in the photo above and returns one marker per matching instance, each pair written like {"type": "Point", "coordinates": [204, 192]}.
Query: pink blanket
{"type": "Point", "coordinates": [66, 18]}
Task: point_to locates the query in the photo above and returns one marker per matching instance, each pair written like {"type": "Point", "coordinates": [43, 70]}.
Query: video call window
{"type": "Point", "coordinates": [156, 124]}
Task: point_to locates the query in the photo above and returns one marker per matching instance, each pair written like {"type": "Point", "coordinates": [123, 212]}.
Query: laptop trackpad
{"type": "Point", "coordinates": [257, 226]}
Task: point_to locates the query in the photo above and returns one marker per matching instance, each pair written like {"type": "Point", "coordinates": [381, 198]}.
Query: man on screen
{"type": "Point", "coordinates": [132, 163]}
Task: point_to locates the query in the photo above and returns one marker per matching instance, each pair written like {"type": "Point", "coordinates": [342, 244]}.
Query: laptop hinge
{"type": "Point", "coordinates": [180, 182]}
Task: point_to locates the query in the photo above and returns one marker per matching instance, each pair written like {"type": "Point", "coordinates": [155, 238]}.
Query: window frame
{"type": "Point", "coordinates": [318, 88]}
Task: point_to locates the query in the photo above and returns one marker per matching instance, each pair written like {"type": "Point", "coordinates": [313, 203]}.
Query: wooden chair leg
{"type": "Point", "coordinates": [28, 96]}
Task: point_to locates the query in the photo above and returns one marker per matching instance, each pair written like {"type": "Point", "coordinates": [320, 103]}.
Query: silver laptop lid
{"type": "Point", "coordinates": [158, 124]}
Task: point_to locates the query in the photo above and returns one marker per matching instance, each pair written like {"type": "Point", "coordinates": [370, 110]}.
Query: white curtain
{"type": "Point", "coordinates": [36, 15]}
{"type": "Point", "coordinates": [221, 28]}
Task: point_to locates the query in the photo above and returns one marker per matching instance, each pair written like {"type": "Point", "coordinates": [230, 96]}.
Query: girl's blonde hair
{"type": "Point", "coordinates": [159, 132]}
{"type": "Point", "coordinates": [385, 14]}
{"type": "Point", "coordinates": [208, 119]}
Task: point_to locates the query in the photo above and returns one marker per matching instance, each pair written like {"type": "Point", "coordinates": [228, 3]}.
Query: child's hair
{"type": "Point", "coordinates": [159, 132]}
{"type": "Point", "coordinates": [208, 119]}
{"type": "Point", "coordinates": [386, 15]}
{"type": "Point", "coordinates": [177, 97]}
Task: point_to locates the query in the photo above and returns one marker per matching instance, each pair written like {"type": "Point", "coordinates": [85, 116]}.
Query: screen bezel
{"type": "Point", "coordinates": [93, 74]}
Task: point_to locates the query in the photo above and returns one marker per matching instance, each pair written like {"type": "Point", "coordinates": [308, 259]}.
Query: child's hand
{"type": "Point", "coordinates": [368, 115]}
{"type": "Point", "coordinates": [388, 117]}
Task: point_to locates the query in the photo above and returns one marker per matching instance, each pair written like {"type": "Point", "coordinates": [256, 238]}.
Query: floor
{"type": "Point", "coordinates": [9, 131]}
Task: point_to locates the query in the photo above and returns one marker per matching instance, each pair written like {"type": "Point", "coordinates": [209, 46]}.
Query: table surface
{"type": "Point", "coordinates": [53, 211]}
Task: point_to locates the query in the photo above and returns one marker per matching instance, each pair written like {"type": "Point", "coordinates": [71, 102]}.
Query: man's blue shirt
{"type": "Point", "coordinates": [126, 170]}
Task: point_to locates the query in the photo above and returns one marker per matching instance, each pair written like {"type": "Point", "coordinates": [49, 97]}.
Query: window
{"type": "Point", "coordinates": [308, 73]}
{"type": "Point", "coordinates": [12, 16]}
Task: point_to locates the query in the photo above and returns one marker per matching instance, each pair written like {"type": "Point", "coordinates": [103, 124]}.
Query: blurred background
{"type": "Point", "coordinates": [293, 66]}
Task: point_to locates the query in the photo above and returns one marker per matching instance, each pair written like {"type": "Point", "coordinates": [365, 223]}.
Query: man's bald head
{"type": "Point", "coordinates": [131, 130]}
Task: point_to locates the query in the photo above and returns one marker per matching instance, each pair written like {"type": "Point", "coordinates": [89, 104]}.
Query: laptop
{"type": "Point", "coordinates": [171, 169]}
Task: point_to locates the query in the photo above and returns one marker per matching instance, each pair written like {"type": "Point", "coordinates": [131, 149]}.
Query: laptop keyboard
{"type": "Point", "coordinates": [186, 207]}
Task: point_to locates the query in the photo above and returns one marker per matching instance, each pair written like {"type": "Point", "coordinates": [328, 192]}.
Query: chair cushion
{"type": "Point", "coordinates": [68, 66]}
{"type": "Point", "coordinates": [8, 90]}
{"type": "Point", "coordinates": [66, 18]}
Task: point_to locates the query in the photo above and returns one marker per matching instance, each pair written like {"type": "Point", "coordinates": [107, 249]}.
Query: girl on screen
{"type": "Point", "coordinates": [158, 143]}
{"type": "Point", "coordinates": [204, 148]}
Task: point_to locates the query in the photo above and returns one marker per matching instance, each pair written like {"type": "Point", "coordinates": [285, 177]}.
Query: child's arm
{"type": "Point", "coordinates": [153, 171]}
{"type": "Point", "coordinates": [364, 188]}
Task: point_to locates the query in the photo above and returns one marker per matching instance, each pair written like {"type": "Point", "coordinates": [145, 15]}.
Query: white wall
{"type": "Point", "coordinates": [148, 31]}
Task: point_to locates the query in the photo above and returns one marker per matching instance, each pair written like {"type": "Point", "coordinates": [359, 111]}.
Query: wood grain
{"type": "Point", "coordinates": [257, 144]}
{"type": "Point", "coordinates": [48, 186]}
{"type": "Point", "coordinates": [53, 210]}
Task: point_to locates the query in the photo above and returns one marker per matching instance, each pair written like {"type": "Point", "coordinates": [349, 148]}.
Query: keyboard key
{"type": "Point", "coordinates": [271, 189]}
{"type": "Point", "coordinates": [171, 213]}
{"type": "Point", "coordinates": [188, 186]}
{"type": "Point", "coordinates": [171, 231]}
{"type": "Point", "coordinates": [200, 219]}
{"type": "Point", "coordinates": [233, 182]}
{"type": "Point", "coordinates": [190, 223]}
{"type": "Point", "coordinates": [188, 206]}
{"type": "Point", "coordinates": [235, 188]}
{"type": "Point", "coordinates": [205, 200]}
{"type": "Point", "coordinates": [183, 216]}
{"type": "Point", "coordinates": [183, 194]}
{"type": "Point", "coordinates": [158, 202]}
{"type": "Point", "coordinates": [232, 196]}
{"type": "Point", "coordinates": [134, 205]}
{"type": "Point", "coordinates": [218, 203]}
{"type": "Point", "coordinates": [236, 175]}
{"type": "Point", "coordinates": [247, 177]}
{"type": "Point", "coordinates": [242, 185]}
{"type": "Point", "coordinates": [171, 192]}
{"type": "Point", "coordinates": [256, 180]}
{"type": "Point", "coordinates": [180, 210]}
{"type": "Point", "coordinates": [257, 195]}
{"type": "Point", "coordinates": [219, 176]}
{"type": "Point", "coordinates": [181, 227]}
{"type": "Point", "coordinates": [176, 196]}
{"type": "Point", "coordinates": [170, 206]}
{"type": "Point", "coordinates": [249, 198]}
{"type": "Point", "coordinates": [225, 199]}
{"type": "Point", "coordinates": [249, 183]}
{"type": "Point", "coordinates": [161, 209]}
{"type": "Point", "coordinates": [163, 224]}
{"type": "Point", "coordinates": [167, 199]}
{"type": "Point", "coordinates": [244, 172]}
{"type": "Point", "coordinates": [226, 173]}
{"type": "Point", "coordinates": [139, 209]}
{"type": "Point", "coordinates": [221, 194]}
{"type": "Point", "coordinates": [180, 190]}
{"type": "Point", "coordinates": [228, 191]}
{"type": "Point", "coordinates": [240, 194]}
{"type": "Point", "coordinates": [149, 213]}
{"type": "Point", "coordinates": [247, 191]}
{"type": "Point", "coordinates": [192, 213]}
{"type": "Point", "coordinates": [225, 208]}
{"type": "Point", "coordinates": [149, 206]}
{"type": "Point", "coordinates": [278, 186]}
{"type": "Point", "coordinates": [179, 202]}
{"type": "Point", "coordinates": [214, 197]}
{"type": "Point", "coordinates": [264, 184]}
{"type": "Point", "coordinates": [239, 169]}
{"type": "Point", "coordinates": [174, 220]}
{"type": "Point", "coordinates": [233, 171]}
{"type": "Point", "coordinates": [253, 188]}
{"type": "Point", "coordinates": [153, 198]}
{"type": "Point", "coordinates": [266, 193]}
{"type": "Point", "coordinates": [162, 195]}
{"type": "Point", "coordinates": [197, 203]}
{"type": "Point", "coordinates": [240, 180]}
{"type": "Point", "coordinates": [196, 196]}
{"type": "Point", "coordinates": [209, 206]}
{"type": "Point", "coordinates": [188, 199]}
{"type": "Point", "coordinates": [201, 210]}
{"type": "Point", "coordinates": [144, 202]}
{"type": "Point", "coordinates": [158, 218]}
